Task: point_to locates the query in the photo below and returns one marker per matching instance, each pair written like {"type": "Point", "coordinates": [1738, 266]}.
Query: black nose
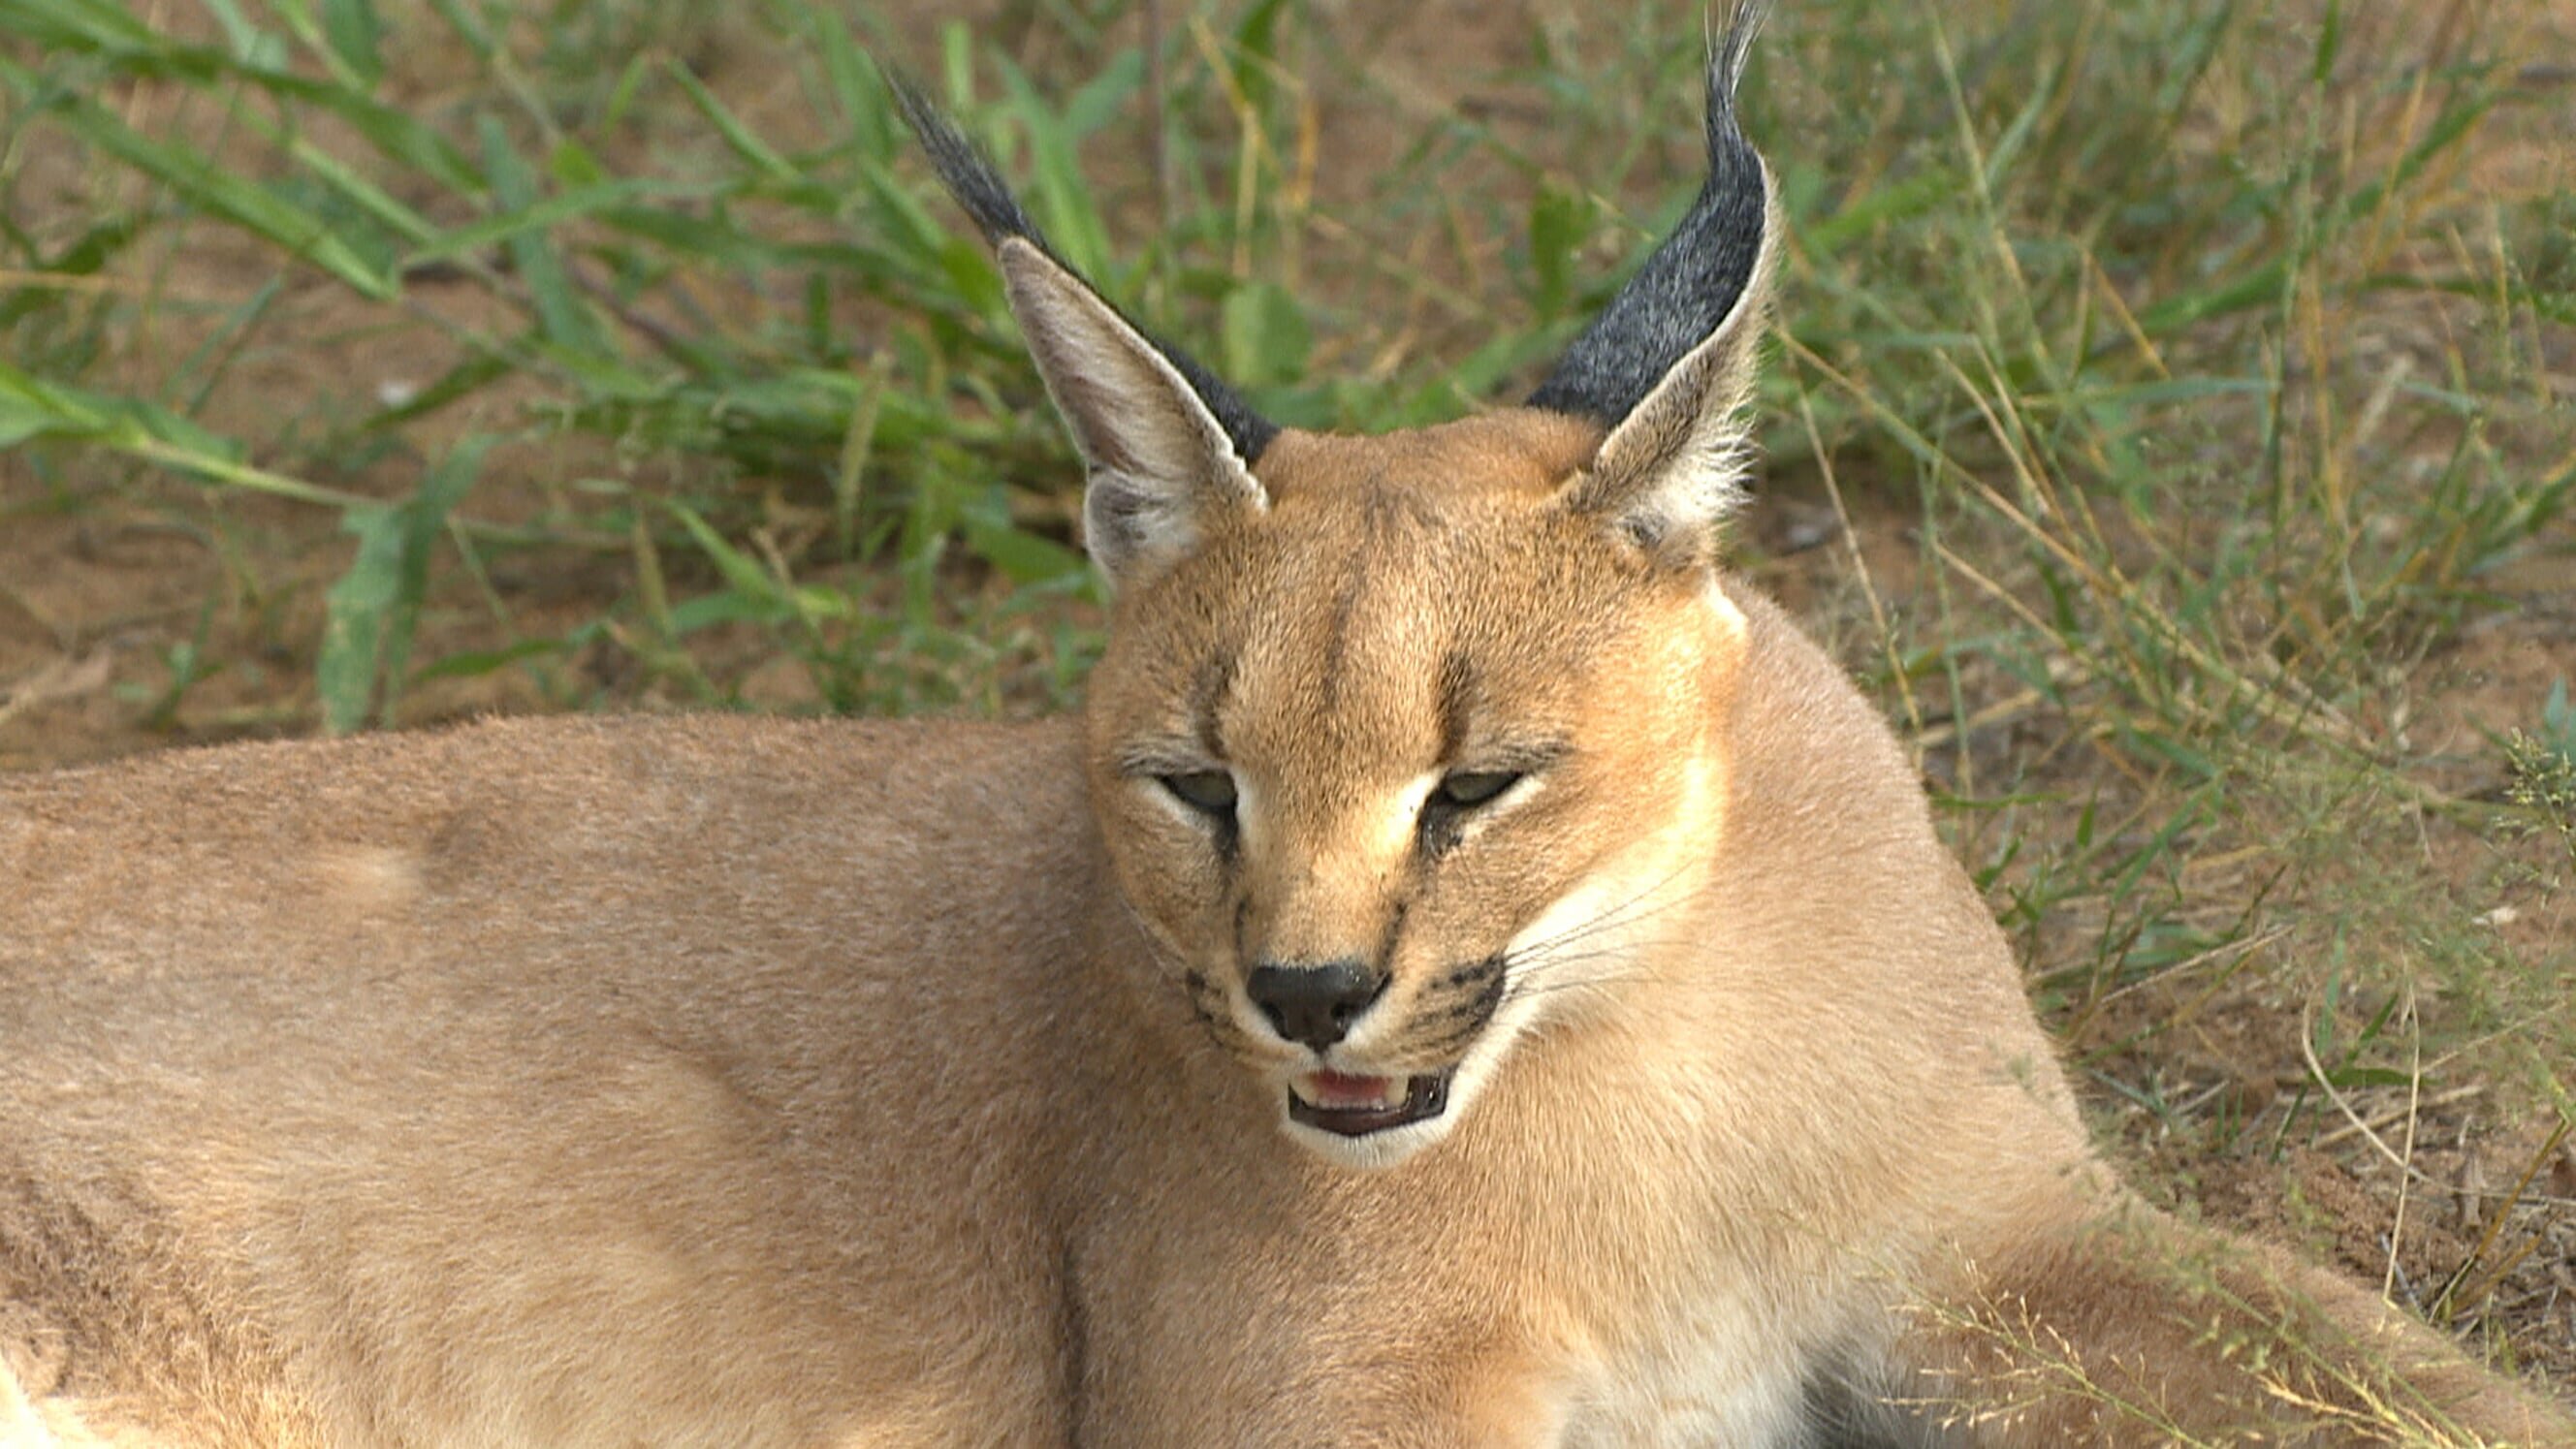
{"type": "Point", "coordinates": [1314, 1004]}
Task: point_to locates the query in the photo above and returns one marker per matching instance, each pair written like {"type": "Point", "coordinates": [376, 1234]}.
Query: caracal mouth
{"type": "Point", "coordinates": [1356, 1106]}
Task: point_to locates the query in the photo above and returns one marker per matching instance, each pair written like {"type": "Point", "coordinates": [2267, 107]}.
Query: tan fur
{"type": "Point", "coordinates": [747, 1083]}
{"type": "Point", "coordinates": [724, 1081]}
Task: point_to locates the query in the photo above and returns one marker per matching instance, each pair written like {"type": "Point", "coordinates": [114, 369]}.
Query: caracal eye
{"type": "Point", "coordinates": [1210, 792]}
{"type": "Point", "coordinates": [1467, 789]}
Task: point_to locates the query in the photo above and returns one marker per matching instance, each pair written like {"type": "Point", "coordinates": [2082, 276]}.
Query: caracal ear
{"type": "Point", "coordinates": [1169, 446]}
{"type": "Point", "coordinates": [1668, 366]}
{"type": "Point", "coordinates": [1163, 462]}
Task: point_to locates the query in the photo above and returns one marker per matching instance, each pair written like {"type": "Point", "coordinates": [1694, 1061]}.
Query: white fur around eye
{"type": "Point", "coordinates": [1403, 814]}
{"type": "Point", "coordinates": [1250, 814]}
{"type": "Point", "coordinates": [1473, 819]}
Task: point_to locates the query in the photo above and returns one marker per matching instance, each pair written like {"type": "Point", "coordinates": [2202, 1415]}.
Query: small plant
{"type": "Point", "coordinates": [2540, 771]}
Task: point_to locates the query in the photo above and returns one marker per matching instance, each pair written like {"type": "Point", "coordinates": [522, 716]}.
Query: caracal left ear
{"type": "Point", "coordinates": [1669, 365]}
{"type": "Point", "coordinates": [1170, 447]}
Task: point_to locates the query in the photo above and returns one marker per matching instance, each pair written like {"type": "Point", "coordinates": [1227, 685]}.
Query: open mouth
{"type": "Point", "coordinates": [1350, 1106]}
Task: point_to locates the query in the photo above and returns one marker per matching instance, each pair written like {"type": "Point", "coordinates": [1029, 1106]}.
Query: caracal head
{"type": "Point", "coordinates": [1405, 762]}
{"type": "Point", "coordinates": [1403, 746]}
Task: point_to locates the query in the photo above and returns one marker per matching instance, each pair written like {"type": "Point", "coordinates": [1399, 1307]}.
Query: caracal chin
{"type": "Point", "coordinates": [1474, 975]}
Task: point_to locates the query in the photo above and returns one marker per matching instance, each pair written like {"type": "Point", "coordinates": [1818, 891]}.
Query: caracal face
{"type": "Point", "coordinates": [1406, 763]}
{"type": "Point", "coordinates": [1439, 773]}
{"type": "Point", "coordinates": [1402, 746]}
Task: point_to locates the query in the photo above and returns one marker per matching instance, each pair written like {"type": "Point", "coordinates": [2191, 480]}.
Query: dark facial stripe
{"type": "Point", "coordinates": [1207, 1003]}
{"type": "Point", "coordinates": [1394, 929]}
{"type": "Point", "coordinates": [1458, 1022]}
{"type": "Point", "coordinates": [1208, 690]}
{"type": "Point", "coordinates": [1457, 701]}
{"type": "Point", "coordinates": [1337, 641]}
{"type": "Point", "coordinates": [1439, 830]}
{"type": "Point", "coordinates": [1478, 1004]}
{"type": "Point", "coordinates": [1473, 971]}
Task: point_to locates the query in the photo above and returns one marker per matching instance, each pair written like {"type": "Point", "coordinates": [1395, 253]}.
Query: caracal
{"type": "Point", "coordinates": [1473, 975]}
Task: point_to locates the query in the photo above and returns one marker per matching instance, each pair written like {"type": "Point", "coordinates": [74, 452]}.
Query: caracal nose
{"type": "Point", "coordinates": [1314, 1005]}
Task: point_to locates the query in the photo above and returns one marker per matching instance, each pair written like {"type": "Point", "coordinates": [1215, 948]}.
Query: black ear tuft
{"type": "Point", "coordinates": [964, 169]}
{"type": "Point", "coordinates": [971, 177]}
{"type": "Point", "coordinates": [1691, 282]}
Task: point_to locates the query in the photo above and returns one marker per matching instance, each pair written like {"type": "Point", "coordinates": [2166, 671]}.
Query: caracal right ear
{"type": "Point", "coordinates": [1668, 366]}
{"type": "Point", "coordinates": [1169, 446]}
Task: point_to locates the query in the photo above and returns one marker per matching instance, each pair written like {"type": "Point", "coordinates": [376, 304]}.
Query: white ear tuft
{"type": "Point", "coordinates": [1163, 467]}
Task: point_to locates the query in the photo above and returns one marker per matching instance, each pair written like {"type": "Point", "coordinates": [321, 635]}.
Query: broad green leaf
{"type": "Point", "coordinates": [857, 88]}
{"type": "Point", "coordinates": [1063, 200]}
{"type": "Point", "coordinates": [355, 612]}
{"type": "Point", "coordinates": [561, 315]}
{"type": "Point", "coordinates": [1558, 221]}
{"type": "Point", "coordinates": [424, 518]}
{"type": "Point", "coordinates": [1266, 337]}
{"type": "Point", "coordinates": [1023, 557]}
{"type": "Point", "coordinates": [355, 35]}
{"type": "Point", "coordinates": [371, 611]}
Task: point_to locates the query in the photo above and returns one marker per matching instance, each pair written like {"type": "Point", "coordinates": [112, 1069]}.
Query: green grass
{"type": "Point", "coordinates": [2193, 375]}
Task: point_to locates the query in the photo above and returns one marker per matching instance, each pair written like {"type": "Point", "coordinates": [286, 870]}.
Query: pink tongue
{"type": "Point", "coordinates": [1338, 1090]}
